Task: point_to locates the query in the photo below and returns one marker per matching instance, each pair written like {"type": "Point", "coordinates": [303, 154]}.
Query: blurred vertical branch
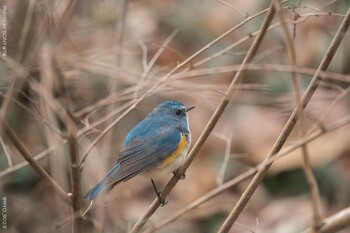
{"type": "Point", "coordinates": [311, 180]}
{"type": "Point", "coordinates": [228, 144]}
{"type": "Point", "coordinates": [236, 211]}
{"type": "Point", "coordinates": [212, 122]}
{"type": "Point", "coordinates": [119, 40]}
{"type": "Point", "coordinates": [50, 75]}
{"type": "Point", "coordinates": [57, 160]}
{"type": "Point", "coordinates": [6, 152]}
{"type": "Point", "coordinates": [113, 84]}
{"type": "Point", "coordinates": [75, 194]}
{"type": "Point", "coordinates": [75, 178]}
{"type": "Point", "coordinates": [15, 81]}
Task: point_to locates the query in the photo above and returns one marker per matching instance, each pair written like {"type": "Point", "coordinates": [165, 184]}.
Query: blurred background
{"type": "Point", "coordinates": [106, 64]}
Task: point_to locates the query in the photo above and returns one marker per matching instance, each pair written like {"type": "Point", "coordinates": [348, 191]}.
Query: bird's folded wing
{"type": "Point", "coordinates": [145, 152]}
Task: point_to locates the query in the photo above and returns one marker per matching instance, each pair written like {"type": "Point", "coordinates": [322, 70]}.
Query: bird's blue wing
{"type": "Point", "coordinates": [145, 151]}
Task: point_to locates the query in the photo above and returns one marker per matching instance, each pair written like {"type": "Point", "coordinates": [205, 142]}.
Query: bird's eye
{"type": "Point", "coordinates": [178, 112]}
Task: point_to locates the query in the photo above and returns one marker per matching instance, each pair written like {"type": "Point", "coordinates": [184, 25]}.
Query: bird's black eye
{"type": "Point", "coordinates": [178, 112]}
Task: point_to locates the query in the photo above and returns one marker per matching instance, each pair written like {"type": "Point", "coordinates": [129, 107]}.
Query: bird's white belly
{"type": "Point", "coordinates": [163, 169]}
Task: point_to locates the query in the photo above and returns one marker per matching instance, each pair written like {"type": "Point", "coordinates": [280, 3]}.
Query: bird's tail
{"type": "Point", "coordinates": [100, 186]}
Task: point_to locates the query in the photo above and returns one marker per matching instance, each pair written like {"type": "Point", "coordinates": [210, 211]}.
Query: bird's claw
{"type": "Point", "coordinates": [178, 176]}
{"type": "Point", "coordinates": [162, 202]}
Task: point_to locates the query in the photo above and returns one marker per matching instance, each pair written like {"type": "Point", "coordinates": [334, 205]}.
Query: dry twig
{"type": "Point", "coordinates": [288, 127]}
{"type": "Point", "coordinates": [311, 180]}
{"type": "Point", "coordinates": [33, 163]}
{"type": "Point", "coordinates": [334, 223]}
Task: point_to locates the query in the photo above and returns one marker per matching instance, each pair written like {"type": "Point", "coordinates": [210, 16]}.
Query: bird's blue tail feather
{"type": "Point", "coordinates": [100, 186]}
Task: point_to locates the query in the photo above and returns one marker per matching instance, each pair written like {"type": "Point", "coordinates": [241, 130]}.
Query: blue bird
{"type": "Point", "coordinates": [155, 147]}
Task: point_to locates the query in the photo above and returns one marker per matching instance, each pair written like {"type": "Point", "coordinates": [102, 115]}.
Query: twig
{"type": "Point", "coordinates": [26, 26]}
{"type": "Point", "coordinates": [34, 113]}
{"type": "Point", "coordinates": [16, 82]}
{"type": "Point", "coordinates": [288, 127]}
{"type": "Point", "coordinates": [51, 101]}
{"type": "Point", "coordinates": [107, 117]}
{"type": "Point", "coordinates": [212, 122]}
{"type": "Point", "coordinates": [147, 67]}
{"type": "Point", "coordinates": [75, 179]}
{"type": "Point", "coordinates": [49, 105]}
{"type": "Point", "coordinates": [263, 67]}
{"type": "Point", "coordinates": [334, 223]}
{"type": "Point", "coordinates": [245, 15]}
{"type": "Point", "coordinates": [62, 86]}
{"type": "Point", "coordinates": [6, 152]}
{"type": "Point", "coordinates": [200, 72]}
{"type": "Point", "coordinates": [103, 133]}
{"type": "Point", "coordinates": [326, 113]}
{"type": "Point", "coordinates": [47, 114]}
{"type": "Point", "coordinates": [311, 180]}
{"type": "Point", "coordinates": [33, 163]}
{"type": "Point", "coordinates": [119, 41]}
{"type": "Point", "coordinates": [207, 46]}
{"type": "Point", "coordinates": [39, 156]}
{"type": "Point", "coordinates": [227, 185]}
{"type": "Point", "coordinates": [84, 112]}
{"type": "Point", "coordinates": [144, 54]}
{"type": "Point", "coordinates": [6, 103]}
{"type": "Point", "coordinates": [64, 20]}
{"type": "Point", "coordinates": [221, 176]}
{"type": "Point", "coordinates": [253, 34]}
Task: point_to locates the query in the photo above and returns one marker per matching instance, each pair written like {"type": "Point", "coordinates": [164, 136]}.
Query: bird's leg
{"type": "Point", "coordinates": [162, 202]}
{"type": "Point", "coordinates": [178, 176]}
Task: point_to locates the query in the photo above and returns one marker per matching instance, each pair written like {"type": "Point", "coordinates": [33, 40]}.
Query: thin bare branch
{"type": "Point", "coordinates": [113, 84]}
{"type": "Point", "coordinates": [33, 163]}
{"type": "Point", "coordinates": [303, 18]}
{"type": "Point", "coordinates": [245, 15]}
{"type": "Point", "coordinates": [221, 176]}
{"type": "Point", "coordinates": [334, 223]}
{"type": "Point", "coordinates": [37, 157]}
{"type": "Point", "coordinates": [263, 67]}
{"type": "Point", "coordinates": [103, 133]}
{"type": "Point", "coordinates": [6, 103]}
{"type": "Point", "coordinates": [148, 67]}
{"type": "Point", "coordinates": [327, 112]}
{"type": "Point", "coordinates": [75, 179]}
{"type": "Point", "coordinates": [236, 211]}
{"type": "Point", "coordinates": [6, 152]}
{"type": "Point", "coordinates": [25, 30]}
{"type": "Point", "coordinates": [311, 180]}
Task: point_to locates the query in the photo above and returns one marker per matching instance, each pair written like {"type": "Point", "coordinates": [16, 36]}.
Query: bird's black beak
{"type": "Point", "coordinates": [190, 108]}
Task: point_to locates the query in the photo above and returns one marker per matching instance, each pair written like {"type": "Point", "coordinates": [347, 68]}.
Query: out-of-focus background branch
{"type": "Point", "coordinates": [67, 102]}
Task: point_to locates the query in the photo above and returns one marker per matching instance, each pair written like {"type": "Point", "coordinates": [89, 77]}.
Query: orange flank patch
{"type": "Point", "coordinates": [179, 151]}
